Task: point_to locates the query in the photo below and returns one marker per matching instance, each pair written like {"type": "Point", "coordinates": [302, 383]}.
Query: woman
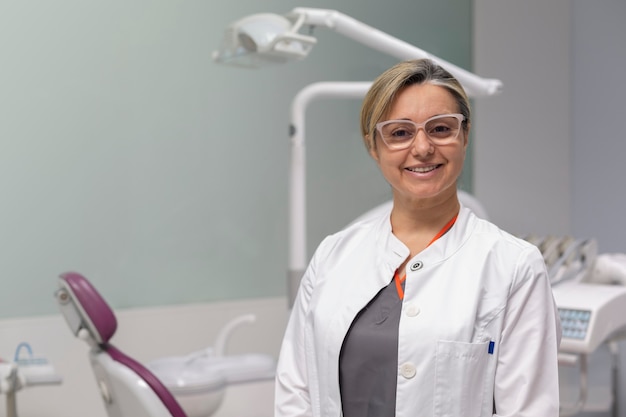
{"type": "Point", "coordinates": [427, 310]}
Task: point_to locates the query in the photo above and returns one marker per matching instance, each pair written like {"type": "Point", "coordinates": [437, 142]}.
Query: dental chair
{"type": "Point", "coordinates": [128, 388]}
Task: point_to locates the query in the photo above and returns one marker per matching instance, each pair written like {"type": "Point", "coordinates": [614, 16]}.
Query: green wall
{"type": "Point", "coordinates": [129, 156]}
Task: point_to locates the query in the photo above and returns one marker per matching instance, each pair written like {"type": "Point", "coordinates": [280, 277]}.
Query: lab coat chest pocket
{"type": "Point", "coordinates": [461, 369]}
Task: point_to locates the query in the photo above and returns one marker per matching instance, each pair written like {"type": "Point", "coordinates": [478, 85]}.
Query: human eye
{"type": "Point", "coordinates": [399, 132]}
{"type": "Point", "coordinates": [442, 128]}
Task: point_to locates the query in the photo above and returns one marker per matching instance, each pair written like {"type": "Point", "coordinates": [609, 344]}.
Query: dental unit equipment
{"type": "Point", "coordinates": [211, 371]}
{"type": "Point", "coordinates": [590, 295]}
{"type": "Point", "coordinates": [127, 387]}
{"type": "Point", "coordinates": [24, 372]}
{"type": "Point", "coordinates": [188, 386]}
{"type": "Point", "coordinates": [263, 39]}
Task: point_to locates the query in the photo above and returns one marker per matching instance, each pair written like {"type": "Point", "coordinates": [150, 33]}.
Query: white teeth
{"type": "Point", "coordinates": [422, 170]}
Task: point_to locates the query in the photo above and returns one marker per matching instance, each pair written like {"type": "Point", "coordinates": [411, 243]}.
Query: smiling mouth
{"type": "Point", "coordinates": [423, 170]}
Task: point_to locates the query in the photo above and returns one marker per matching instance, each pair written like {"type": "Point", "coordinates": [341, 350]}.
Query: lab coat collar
{"type": "Point", "coordinates": [395, 252]}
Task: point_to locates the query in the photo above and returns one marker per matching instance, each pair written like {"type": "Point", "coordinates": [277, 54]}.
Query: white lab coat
{"type": "Point", "coordinates": [473, 287]}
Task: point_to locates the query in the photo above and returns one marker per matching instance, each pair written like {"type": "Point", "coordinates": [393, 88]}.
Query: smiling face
{"type": "Point", "coordinates": [423, 173]}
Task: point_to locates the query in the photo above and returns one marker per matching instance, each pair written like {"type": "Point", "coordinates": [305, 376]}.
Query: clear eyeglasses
{"type": "Point", "coordinates": [400, 134]}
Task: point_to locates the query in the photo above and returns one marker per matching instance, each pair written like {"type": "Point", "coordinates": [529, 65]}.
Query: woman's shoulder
{"type": "Point", "coordinates": [511, 256]}
{"type": "Point", "coordinates": [493, 238]}
{"type": "Point", "coordinates": [365, 228]}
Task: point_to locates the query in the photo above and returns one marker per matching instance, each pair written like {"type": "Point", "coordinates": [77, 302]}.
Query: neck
{"type": "Point", "coordinates": [416, 223]}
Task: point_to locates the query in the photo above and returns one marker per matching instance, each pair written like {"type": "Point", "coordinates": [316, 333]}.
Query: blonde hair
{"type": "Point", "coordinates": [381, 95]}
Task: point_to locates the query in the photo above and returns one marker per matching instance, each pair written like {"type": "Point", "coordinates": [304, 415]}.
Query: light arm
{"type": "Point", "coordinates": [266, 38]}
{"type": "Point", "coordinates": [349, 27]}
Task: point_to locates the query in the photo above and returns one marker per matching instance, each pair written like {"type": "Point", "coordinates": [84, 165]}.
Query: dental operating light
{"type": "Point", "coordinates": [263, 39]}
{"type": "Point", "coordinates": [266, 39]}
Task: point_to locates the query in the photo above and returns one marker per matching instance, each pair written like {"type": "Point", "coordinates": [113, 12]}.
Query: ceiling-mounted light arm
{"type": "Point", "coordinates": [349, 27]}
{"type": "Point", "coordinates": [267, 38]}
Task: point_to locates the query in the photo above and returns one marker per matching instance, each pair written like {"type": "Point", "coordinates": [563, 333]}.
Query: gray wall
{"type": "Point", "coordinates": [598, 196]}
{"type": "Point", "coordinates": [549, 150]}
{"type": "Point", "coordinates": [129, 156]}
{"type": "Point", "coordinates": [522, 138]}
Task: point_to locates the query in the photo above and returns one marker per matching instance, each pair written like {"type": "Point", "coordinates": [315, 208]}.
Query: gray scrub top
{"type": "Point", "coordinates": [368, 362]}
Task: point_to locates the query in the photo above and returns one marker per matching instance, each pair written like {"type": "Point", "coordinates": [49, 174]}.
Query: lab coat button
{"type": "Point", "coordinates": [416, 265]}
{"type": "Point", "coordinates": [407, 370]}
{"type": "Point", "coordinates": [412, 310]}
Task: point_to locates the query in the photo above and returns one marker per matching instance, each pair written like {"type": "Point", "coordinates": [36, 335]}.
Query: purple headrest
{"type": "Point", "coordinates": [100, 318]}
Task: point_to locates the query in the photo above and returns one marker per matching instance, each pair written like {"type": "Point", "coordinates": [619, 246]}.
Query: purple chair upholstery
{"type": "Point", "coordinates": [102, 325]}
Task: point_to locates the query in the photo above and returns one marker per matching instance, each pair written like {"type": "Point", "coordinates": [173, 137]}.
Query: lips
{"type": "Point", "coordinates": [423, 170]}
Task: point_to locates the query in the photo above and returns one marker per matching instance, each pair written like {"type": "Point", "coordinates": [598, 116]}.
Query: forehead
{"type": "Point", "coordinates": [421, 101]}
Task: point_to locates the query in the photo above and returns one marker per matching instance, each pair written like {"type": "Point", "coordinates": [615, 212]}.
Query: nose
{"type": "Point", "coordinates": [421, 145]}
